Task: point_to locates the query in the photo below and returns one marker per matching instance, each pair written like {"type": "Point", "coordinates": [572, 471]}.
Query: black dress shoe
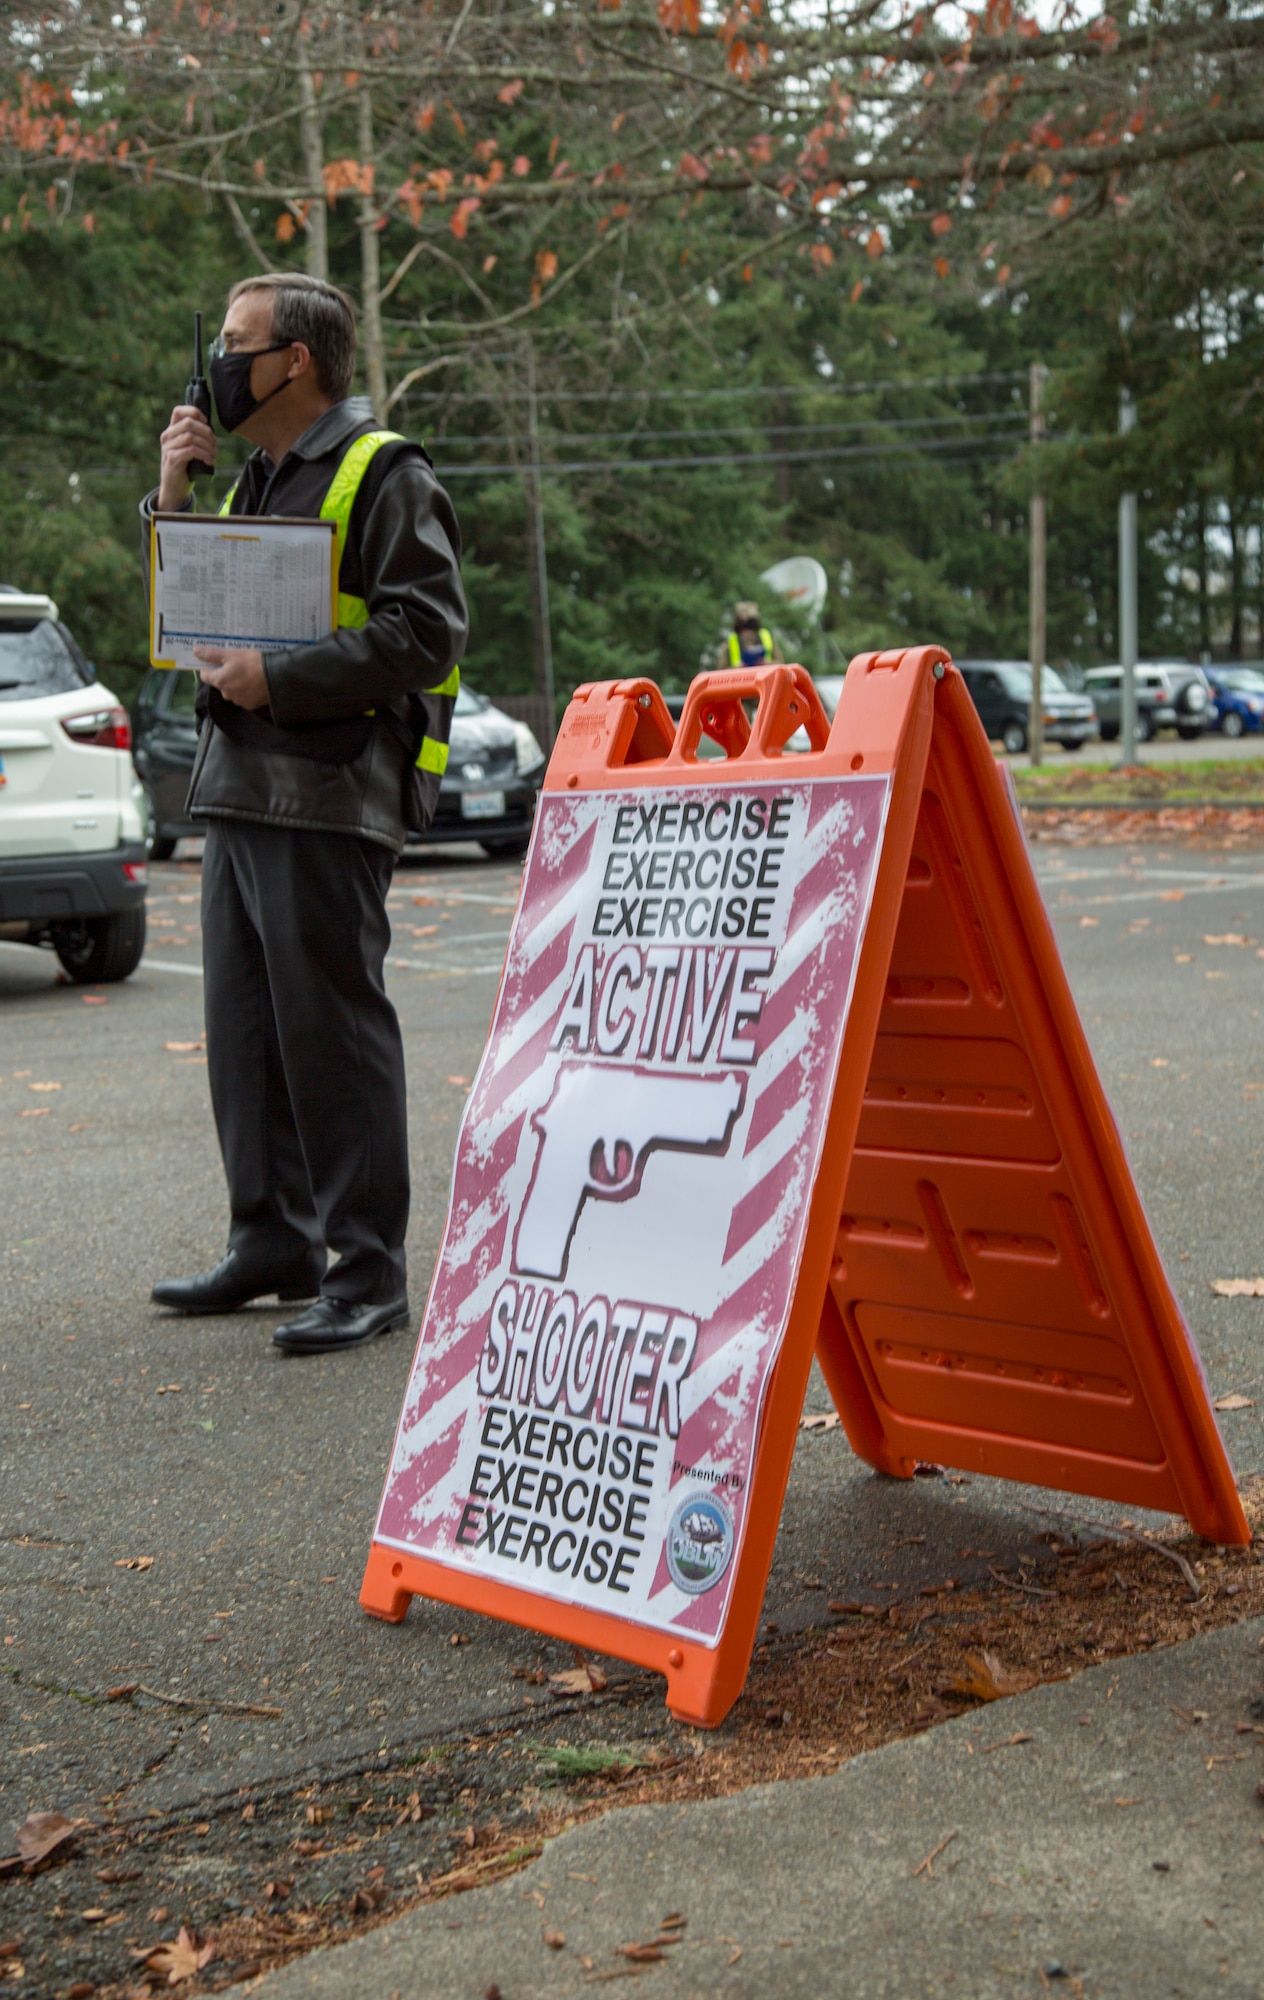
{"type": "Point", "coordinates": [233, 1283]}
{"type": "Point", "coordinates": [330, 1324]}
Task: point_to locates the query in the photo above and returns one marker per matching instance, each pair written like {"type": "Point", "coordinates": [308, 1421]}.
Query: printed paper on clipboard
{"type": "Point", "coordinates": [239, 580]}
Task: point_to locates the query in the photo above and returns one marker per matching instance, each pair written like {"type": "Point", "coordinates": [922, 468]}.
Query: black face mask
{"type": "Point", "coordinates": [230, 385]}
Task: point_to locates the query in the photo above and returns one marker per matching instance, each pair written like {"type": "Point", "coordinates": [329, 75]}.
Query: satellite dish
{"type": "Point", "coordinates": [801, 581]}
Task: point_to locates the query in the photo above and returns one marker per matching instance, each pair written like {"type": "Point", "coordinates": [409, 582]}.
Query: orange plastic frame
{"type": "Point", "coordinates": [992, 1297]}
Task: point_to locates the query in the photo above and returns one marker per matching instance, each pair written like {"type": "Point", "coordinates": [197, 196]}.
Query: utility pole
{"type": "Point", "coordinates": [1128, 598]}
{"type": "Point", "coordinates": [541, 634]}
{"type": "Point", "coordinates": [1036, 570]}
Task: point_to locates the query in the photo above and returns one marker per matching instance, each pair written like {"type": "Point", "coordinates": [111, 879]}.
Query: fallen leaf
{"type": "Point", "coordinates": [929, 1710]}
{"type": "Point", "coordinates": [169, 1389]}
{"type": "Point", "coordinates": [1159, 1062]}
{"type": "Point", "coordinates": [536, 1675]}
{"type": "Point", "coordinates": [134, 1562]}
{"type": "Point", "coordinates": [1235, 1402]}
{"type": "Point", "coordinates": [1172, 896]}
{"type": "Point", "coordinates": [641, 1954]}
{"type": "Point", "coordinates": [1128, 1802]}
{"type": "Point", "coordinates": [1008, 1742]}
{"type": "Point", "coordinates": [123, 1692]}
{"type": "Point", "coordinates": [94, 1000]}
{"type": "Point", "coordinates": [41, 1834]}
{"type": "Point", "coordinates": [43, 1086]}
{"type": "Point", "coordinates": [183, 1048]}
{"type": "Point", "coordinates": [181, 1960]}
{"type": "Point", "coordinates": [93, 1916]}
{"type": "Point", "coordinates": [1238, 1288]}
{"type": "Point", "coordinates": [365, 1900]}
{"type": "Point", "coordinates": [460, 1079]}
{"type": "Point", "coordinates": [1230, 937]}
{"type": "Point", "coordinates": [825, 1422]}
{"type": "Point", "coordinates": [987, 1678]}
{"type": "Point", "coordinates": [555, 1940]}
{"type": "Point", "coordinates": [1088, 923]}
{"type": "Point", "coordinates": [574, 1680]}
{"type": "Point", "coordinates": [459, 1639]}
{"type": "Point", "coordinates": [43, 1112]}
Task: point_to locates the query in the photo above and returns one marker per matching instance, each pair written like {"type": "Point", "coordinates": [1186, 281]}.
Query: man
{"type": "Point", "coordinates": [304, 774]}
{"type": "Point", "coordinates": [749, 644]}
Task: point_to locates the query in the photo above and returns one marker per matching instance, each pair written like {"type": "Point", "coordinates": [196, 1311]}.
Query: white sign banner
{"type": "Point", "coordinates": [631, 1190]}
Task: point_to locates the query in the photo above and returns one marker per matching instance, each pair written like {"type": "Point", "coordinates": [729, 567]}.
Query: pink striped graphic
{"type": "Point", "coordinates": [770, 1160]}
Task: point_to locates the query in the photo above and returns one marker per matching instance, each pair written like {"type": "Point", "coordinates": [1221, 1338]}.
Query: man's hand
{"type": "Point", "coordinates": [237, 671]}
{"type": "Point", "coordinates": [187, 436]}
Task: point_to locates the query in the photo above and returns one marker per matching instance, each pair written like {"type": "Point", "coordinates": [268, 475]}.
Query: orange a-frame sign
{"type": "Point", "coordinates": [784, 1060]}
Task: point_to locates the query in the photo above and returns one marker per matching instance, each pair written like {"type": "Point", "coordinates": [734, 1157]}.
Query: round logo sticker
{"type": "Point", "coordinates": [699, 1542]}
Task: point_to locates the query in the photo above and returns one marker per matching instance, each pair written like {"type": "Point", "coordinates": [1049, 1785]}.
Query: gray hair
{"type": "Point", "coordinates": [318, 314]}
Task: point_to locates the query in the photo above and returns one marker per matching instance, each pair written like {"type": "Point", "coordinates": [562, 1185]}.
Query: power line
{"type": "Point", "coordinates": [818, 388]}
{"type": "Point", "coordinates": [767, 459]}
{"type": "Point", "coordinates": [440, 441]}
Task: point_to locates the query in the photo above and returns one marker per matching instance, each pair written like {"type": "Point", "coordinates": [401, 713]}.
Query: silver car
{"type": "Point", "coordinates": [1171, 694]}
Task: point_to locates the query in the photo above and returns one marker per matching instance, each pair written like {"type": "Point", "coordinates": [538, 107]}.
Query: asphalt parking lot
{"type": "Point", "coordinates": [183, 1509]}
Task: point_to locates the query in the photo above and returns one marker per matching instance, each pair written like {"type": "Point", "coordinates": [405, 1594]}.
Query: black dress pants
{"type": "Point", "coordinates": [304, 1053]}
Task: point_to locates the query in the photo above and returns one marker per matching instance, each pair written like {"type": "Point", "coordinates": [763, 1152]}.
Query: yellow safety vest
{"type": "Point", "coordinates": [353, 611]}
{"type": "Point", "coordinates": [735, 646]}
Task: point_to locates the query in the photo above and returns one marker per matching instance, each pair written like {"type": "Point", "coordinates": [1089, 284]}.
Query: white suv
{"type": "Point", "coordinates": [73, 860]}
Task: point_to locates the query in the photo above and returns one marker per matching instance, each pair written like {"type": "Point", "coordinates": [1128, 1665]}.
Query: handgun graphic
{"type": "Point", "coordinates": [596, 1132]}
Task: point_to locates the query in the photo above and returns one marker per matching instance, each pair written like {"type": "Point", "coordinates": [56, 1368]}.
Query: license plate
{"type": "Point", "coordinates": [482, 805]}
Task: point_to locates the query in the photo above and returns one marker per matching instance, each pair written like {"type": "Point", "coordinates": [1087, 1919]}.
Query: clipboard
{"type": "Point", "coordinates": [266, 581]}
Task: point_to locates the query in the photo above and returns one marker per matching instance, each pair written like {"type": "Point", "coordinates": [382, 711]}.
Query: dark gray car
{"type": "Point", "coordinates": [1001, 691]}
{"type": "Point", "coordinates": [495, 769]}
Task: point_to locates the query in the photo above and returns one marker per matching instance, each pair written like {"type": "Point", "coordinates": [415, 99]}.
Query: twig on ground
{"type": "Point", "coordinates": [1014, 1583]}
{"type": "Point", "coordinates": [925, 1867]}
{"type": "Point", "coordinates": [1127, 1535]}
{"type": "Point", "coordinates": [209, 1707]}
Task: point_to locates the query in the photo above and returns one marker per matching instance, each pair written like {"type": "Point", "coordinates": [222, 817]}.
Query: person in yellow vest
{"type": "Point", "coordinates": [749, 644]}
{"type": "Point", "coordinates": [311, 763]}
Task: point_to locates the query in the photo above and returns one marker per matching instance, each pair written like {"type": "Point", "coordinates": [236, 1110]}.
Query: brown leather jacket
{"type": "Point", "coordinates": [297, 763]}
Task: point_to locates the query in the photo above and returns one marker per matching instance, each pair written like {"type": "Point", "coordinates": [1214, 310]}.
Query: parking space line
{"type": "Point", "coordinates": [428, 969]}
{"type": "Point", "coordinates": [450, 896]}
{"type": "Point", "coordinates": [1157, 895]}
{"type": "Point", "coordinates": [456, 941]}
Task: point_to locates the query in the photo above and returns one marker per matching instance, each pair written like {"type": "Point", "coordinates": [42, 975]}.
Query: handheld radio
{"type": "Point", "coordinates": [198, 394]}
